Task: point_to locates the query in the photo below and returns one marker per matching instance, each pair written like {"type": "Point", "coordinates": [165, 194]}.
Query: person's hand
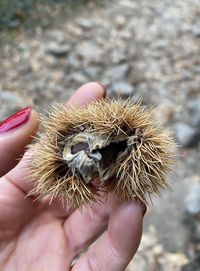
{"type": "Point", "coordinates": [36, 236]}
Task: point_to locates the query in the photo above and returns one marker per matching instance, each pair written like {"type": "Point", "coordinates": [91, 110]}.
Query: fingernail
{"type": "Point", "coordinates": [15, 121]}
{"type": "Point", "coordinates": [104, 87]}
{"type": "Point", "coordinates": [143, 206]}
{"type": "Point", "coordinates": [144, 209]}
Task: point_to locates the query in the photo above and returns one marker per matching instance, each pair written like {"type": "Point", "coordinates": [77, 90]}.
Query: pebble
{"type": "Point", "coordinates": [117, 72]}
{"type": "Point", "coordinates": [57, 49]}
{"type": "Point", "coordinates": [85, 23]}
{"type": "Point", "coordinates": [194, 112]}
{"type": "Point", "coordinates": [192, 202]}
{"type": "Point", "coordinates": [165, 113]}
{"type": "Point", "coordinates": [9, 103]}
{"type": "Point", "coordinates": [93, 72]}
{"type": "Point", "coordinates": [128, 4]}
{"type": "Point", "coordinates": [120, 22]}
{"type": "Point", "coordinates": [56, 35]}
{"type": "Point", "coordinates": [90, 52]}
{"type": "Point", "coordinates": [118, 56]}
{"type": "Point", "coordinates": [196, 30]}
{"type": "Point", "coordinates": [77, 77]}
{"type": "Point", "coordinates": [73, 61]}
{"type": "Point", "coordinates": [186, 135]}
{"type": "Point", "coordinates": [122, 89]}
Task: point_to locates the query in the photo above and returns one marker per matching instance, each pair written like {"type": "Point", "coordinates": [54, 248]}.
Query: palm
{"type": "Point", "coordinates": [37, 242]}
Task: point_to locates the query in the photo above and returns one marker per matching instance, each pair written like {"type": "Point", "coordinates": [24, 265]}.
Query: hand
{"type": "Point", "coordinates": [36, 236]}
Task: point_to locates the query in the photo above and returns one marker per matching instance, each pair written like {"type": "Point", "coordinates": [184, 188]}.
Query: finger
{"type": "Point", "coordinates": [87, 93]}
{"type": "Point", "coordinates": [119, 243]}
{"type": "Point", "coordinates": [83, 226]}
{"type": "Point", "coordinates": [15, 133]}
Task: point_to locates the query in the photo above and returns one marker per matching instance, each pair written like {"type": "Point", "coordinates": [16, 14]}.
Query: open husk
{"type": "Point", "coordinates": [118, 143]}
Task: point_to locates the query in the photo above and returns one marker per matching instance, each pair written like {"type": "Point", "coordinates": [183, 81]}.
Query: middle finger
{"type": "Point", "coordinates": [85, 225]}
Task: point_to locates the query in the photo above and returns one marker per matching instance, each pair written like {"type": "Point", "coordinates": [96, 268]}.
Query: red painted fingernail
{"type": "Point", "coordinates": [15, 121]}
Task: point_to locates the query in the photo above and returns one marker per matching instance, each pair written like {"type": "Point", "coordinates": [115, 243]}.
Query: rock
{"type": "Point", "coordinates": [186, 135]}
{"type": "Point", "coordinates": [85, 23]}
{"type": "Point", "coordinates": [128, 4]}
{"type": "Point", "coordinates": [23, 47]}
{"type": "Point", "coordinates": [56, 35]}
{"type": "Point", "coordinates": [122, 89]}
{"type": "Point", "coordinates": [93, 72]}
{"type": "Point", "coordinates": [78, 77]}
{"type": "Point", "coordinates": [117, 72]}
{"type": "Point", "coordinates": [73, 61]}
{"type": "Point", "coordinates": [9, 103]}
{"type": "Point", "coordinates": [90, 52]}
{"type": "Point", "coordinates": [196, 30]}
{"type": "Point", "coordinates": [7, 96]}
{"type": "Point", "coordinates": [192, 202]}
{"type": "Point", "coordinates": [57, 49]}
{"type": "Point", "coordinates": [118, 56]}
{"type": "Point", "coordinates": [74, 29]}
{"type": "Point", "coordinates": [14, 23]}
{"type": "Point", "coordinates": [194, 112]}
{"type": "Point", "coordinates": [120, 22]}
{"type": "Point", "coordinates": [165, 113]}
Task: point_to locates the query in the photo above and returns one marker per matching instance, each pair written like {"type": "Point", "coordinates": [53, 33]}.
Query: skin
{"type": "Point", "coordinates": [36, 236]}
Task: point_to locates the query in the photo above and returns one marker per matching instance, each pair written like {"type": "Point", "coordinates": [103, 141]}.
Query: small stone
{"type": "Point", "coordinates": [74, 30]}
{"type": "Point", "coordinates": [57, 49]}
{"type": "Point", "coordinates": [90, 52]}
{"type": "Point", "coordinates": [192, 202]}
{"type": "Point", "coordinates": [128, 4]}
{"type": "Point", "coordinates": [120, 22]}
{"type": "Point", "coordinates": [85, 23]}
{"type": "Point", "coordinates": [58, 76]}
{"type": "Point", "coordinates": [165, 113]}
{"type": "Point", "coordinates": [93, 72]}
{"type": "Point", "coordinates": [137, 75]}
{"type": "Point", "coordinates": [118, 56]}
{"type": "Point", "coordinates": [7, 96]}
{"type": "Point", "coordinates": [194, 112]}
{"type": "Point", "coordinates": [123, 89]}
{"type": "Point", "coordinates": [56, 35]}
{"type": "Point", "coordinates": [73, 61]}
{"type": "Point", "coordinates": [118, 72]}
{"type": "Point", "coordinates": [186, 135]}
{"type": "Point", "coordinates": [50, 61]}
{"type": "Point", "coordinates": [196, 30]}
{"type": "Point", "coordinates": [23, 47]}
{"type": "Point", "coordinates": [9, 103]}
{"type": "Point", "coordinates": [78, 77]}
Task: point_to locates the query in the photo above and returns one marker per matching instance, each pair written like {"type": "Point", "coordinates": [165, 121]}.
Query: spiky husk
{"type": "Point", "coordinates": [139, 174]}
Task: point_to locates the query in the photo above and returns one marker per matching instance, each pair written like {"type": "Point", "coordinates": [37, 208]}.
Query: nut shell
{"type": "Point", "coordinates": [118, 142]}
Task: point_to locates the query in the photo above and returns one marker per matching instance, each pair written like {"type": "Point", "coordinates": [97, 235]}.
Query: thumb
{"type": "Point", "coordinates": [15, 133]}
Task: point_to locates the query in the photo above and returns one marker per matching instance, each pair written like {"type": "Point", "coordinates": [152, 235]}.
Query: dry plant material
{"type": "Point", "coordinates": [116, 142]}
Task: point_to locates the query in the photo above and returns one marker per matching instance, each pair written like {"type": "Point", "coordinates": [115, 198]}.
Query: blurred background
{"type": "Point", "coordinates": [139, 48]}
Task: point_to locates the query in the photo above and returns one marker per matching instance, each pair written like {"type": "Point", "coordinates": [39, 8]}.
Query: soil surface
{"type": "Point", "coordinates": [148, 49]}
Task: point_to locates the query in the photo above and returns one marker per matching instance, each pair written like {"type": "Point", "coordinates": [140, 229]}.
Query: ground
{"type": "Point", "coordinates": [148, 49]}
